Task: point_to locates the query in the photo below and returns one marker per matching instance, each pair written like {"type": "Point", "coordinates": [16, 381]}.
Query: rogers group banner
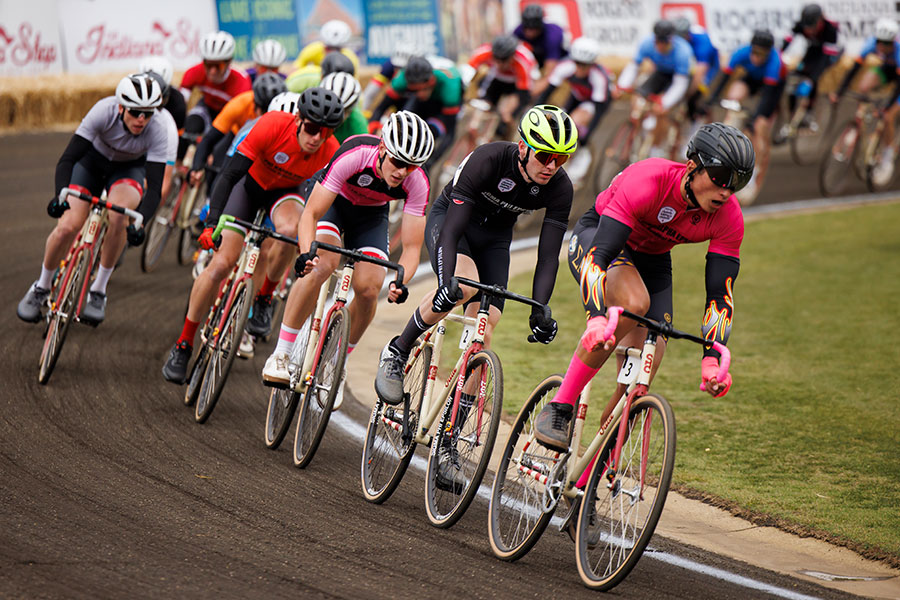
{"type": "Point", "coordinates": [29, 40]}
{"type": "Point", "coordinates": [110, 35]}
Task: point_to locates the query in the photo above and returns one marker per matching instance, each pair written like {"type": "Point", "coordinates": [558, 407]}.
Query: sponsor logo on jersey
{"type": "Point", "coordinates": [535, 190]}
{"type": "Point", "coordinates": [365, 180]}
{"type": "Point", "coordinates": [506, 184]}
{"type": "Point", "coordinates": [281, 158]}
{"type": "Point", "coordinates": [457, 201]}
{"type": "Point", "coordinates": [573, 244]}
{"type": "Point", "coordinates": [695, 219]}
{"type": "Point", "coordinates": [666, 214]}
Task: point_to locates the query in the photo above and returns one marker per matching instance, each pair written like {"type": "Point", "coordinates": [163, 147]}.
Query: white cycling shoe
{"type": "Point", "coordinates": [339, 397]}
{"type": "Point", "coordinates": [275, 373]}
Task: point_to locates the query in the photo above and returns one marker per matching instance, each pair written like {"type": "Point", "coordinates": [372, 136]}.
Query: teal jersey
{"type": "Point", "coordinates": [448, 89]}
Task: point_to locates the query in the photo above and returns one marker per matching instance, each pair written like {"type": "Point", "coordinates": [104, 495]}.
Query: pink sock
{"type": "Point", "coordinates": [577, 376]}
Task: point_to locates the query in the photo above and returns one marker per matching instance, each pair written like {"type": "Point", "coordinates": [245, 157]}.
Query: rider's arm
{"type": "Point", "coordinates": [318, 203]}
{"type": "Point", "coordinates": [77, 148]}
{"type": "Point", "coordinates": [412, 236]}
{"type": "Point", "coordinates": [550, 241]}
{"type": "Point", "coordinates": [391, 98]}
{"type": "Point", "coordinates": [235, 167]}
{"type": "Point", "coordinates": [721, 272]}
{"type": "Point", "coordinates": [608, 241]}
{"type": "Point", "coordinates": [458, 214]}
{"type": "Point", "coordinates": [676, 91]}
{"type": "Point", "coordinates": [626, 79]}
{"type": "Point", "coordinates": [211, 137]}
{"type": "Point", "coordinates": [155, 171]}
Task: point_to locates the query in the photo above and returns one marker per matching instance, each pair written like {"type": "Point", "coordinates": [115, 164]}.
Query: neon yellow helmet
{"type": "Point", "coordinates": [548, 128]}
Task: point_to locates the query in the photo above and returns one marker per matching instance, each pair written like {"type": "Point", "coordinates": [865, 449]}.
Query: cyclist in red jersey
{"type": "Point", "coordinates": [620, 255]}
{"type": "Point", "coordinates": [215, 78]}
{"type": "Point", "coordinates": [280, 152]}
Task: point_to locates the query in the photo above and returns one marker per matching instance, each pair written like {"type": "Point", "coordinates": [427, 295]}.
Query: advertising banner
{"type": "Point", "coordinates": [252, 21]}
{"type": "Point", "coordinates": [108, 35]}
{"type": "Point", "coordinates": [29, 39]}
{"type": "Point", "coordinates": [392, 22]}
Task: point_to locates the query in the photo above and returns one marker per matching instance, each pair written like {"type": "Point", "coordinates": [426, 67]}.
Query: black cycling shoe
{"type": "Point", "coordinates": [551, 428]}
{"type": "Point", "coordinates": [260, 321]}
{"type": "Point", "coordinates": [175, 369]}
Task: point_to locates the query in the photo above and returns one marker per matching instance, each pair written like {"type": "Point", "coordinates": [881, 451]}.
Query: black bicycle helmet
{"type": "Point", "coordinates": [265, 87]}
{"type": "Point", "coordinates": [763, 38]}
{"type": "Point", "coordinates": [533, 17]}
{"type": "Point", "coordinates": [663, 30]}
{"type": "Point", "coordinates": [504, 46]}
{"type": "Point", "coordinates": [810, 15]}
{"type": "Point", "coordinates": [321, 106]}
{"type": "Point", "coordinates": [717, 144]}
{"type": "Point", "coordinates": [418, 70]}
{"type": "Point", "coordinates": [337, 61]}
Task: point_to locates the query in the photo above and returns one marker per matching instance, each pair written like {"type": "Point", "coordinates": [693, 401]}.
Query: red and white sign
{"type": "Point", "coordinates": [29, 40]}
{"type": "Point", "coordinates": [110, 35]}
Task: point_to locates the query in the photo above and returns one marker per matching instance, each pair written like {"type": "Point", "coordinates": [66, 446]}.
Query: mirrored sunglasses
{"type": "Point", "coordinates": [401, 164]}
{"type": "Point", "coordinates": [313, 129]}
{"type": "Point", "coordinates": [545, 157]}
{"type": "Point", "coordinates": [726, 177]}
{"type": "Point", "coordinates": [137, 113]}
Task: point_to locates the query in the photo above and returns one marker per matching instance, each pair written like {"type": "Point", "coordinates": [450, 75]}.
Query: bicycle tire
{"type": "Point", "coordinates": [871, 164]}
{"type": "Point", "coordinates": [316, 404]}
{"type": "Point", "coordinates": [612, 532]}
{"type": "Point", "coordinates": [806, 143]}
{"type": "Point", "coordinates": [516, 515]}
{"type": "Point", "coordinates": [195, 379]}
{"type": "Point", "coordinates": [223, 352]}
{"type": "Point", "coordinates": [62, 316]}
{"type": "Point", "coordinates": [279, 415]}
{"type": "Point", "coordinates": [837, 161]}
{"type": "Point", "coordinates": [385, 455]}
{"type": "Point", "coordinates": [158, 230]}
{"type": "Point", "coordinates": [186, 246]}
{"type": "Point", "coordinates": [617, 155]}
{"type": "Point", "coordinates": [477, 435]}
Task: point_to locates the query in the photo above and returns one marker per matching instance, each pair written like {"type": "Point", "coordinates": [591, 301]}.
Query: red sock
{"type": "Point", "coordinates": [268, 287]}
{"type": "Point", "coordinates": [188, 332]}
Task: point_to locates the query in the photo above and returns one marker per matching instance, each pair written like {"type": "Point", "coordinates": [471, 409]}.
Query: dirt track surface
{"type": "Point", "coordinates": [109, 489]}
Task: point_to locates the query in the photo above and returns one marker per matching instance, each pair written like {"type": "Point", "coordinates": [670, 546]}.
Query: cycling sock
{"type": "Point", "coordinates": [268, 287]}
{"type": "Point", "coordinates": [577, 376]}
{"type": "Point", "coordinates": [286, 338]}
{"type": "Point", "coordinates": [350, 348]}
{"type": "Point", "coordinates": [46, 279]}
{"type": "Point", "coordinates": [188, 332]}
{"type": "Point", "coordinates": [102, 279]}
{"type": "Point", "coordinates": [414, 328]}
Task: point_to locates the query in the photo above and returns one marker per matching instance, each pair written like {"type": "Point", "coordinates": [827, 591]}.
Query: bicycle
{"type": "Point", "coordinates": [220, 334]}
{"type": "Point", "coordinates": [475, 382]}
{"type": "Point", "coordinates": [70, 283]}
{"type": "Point", "coordinates": [317, 363]}
{"type": "Point", "coordinates": [856, 145]}
{"type": "Point", "coordinates": [805, 128]}
{"type": "Point", "coordinates": [625, 471]}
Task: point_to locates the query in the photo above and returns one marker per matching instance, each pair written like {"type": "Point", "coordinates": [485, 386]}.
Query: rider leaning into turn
{"type": "Point", "coordinates": [620, 256]}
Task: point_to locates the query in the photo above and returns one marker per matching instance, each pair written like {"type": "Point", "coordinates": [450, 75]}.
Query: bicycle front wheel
{"type": "Point", "coordinates": [195, 379]}
{"type": "Point", "coordinates": [315, 406]}
{"type": "Point", "coordinates": [159, 229]}
{"type": "Point", "coordinates": [282, 404]}
{"type": "Point", "coordinates": [472, 438]}
{"type": "Point", "coordinates": [223, 352]}
{"type": "Point", "coordinates": [837, 163]}
{"type": "Point", "coordinates": [620, 509]}
{"type": "Point", "coordinates": [386, 453]}
{"type": "Point", "coordinates": [617, 155]}
{"type": "Point", "coordinates": [62, 314]}
{"type": "Point", "coordinates": [518, 513]}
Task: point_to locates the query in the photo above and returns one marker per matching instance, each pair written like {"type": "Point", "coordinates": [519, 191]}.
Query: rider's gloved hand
{"type": "Point", "coordinates": [56, 208]}
{"type": "Point", "coordinates": [595, 336]}
{"type": "Point", "coordinates": [709, 368]}
{"type": "Point", "coordinates": [206, 240]}
{"type": "Point", "coordinates": [403, 293]}
{"type": "Point", "coordinates": [446, 296]}
{"type": "Point", "coordinates": [135, 235]}
{"type": "Point", "coordinates": [542, 330]}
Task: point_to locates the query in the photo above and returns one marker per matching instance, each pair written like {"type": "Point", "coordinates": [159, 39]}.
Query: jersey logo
{"type": "Point", "coordinates": [666, 214]}
{"type": "Point", "coordinates": [535, 190]}
{"type": "Point", "coordinates": [281, 158]}
{"type": "Point", "coordinates": [456, 201]}
{"type": "Point", "coordinates": [573, 244]}
{"type": "Point", "coordinates": [364, 180]}
{"type": "Point", "coordinates": [695, 219]}
{"type": "Point", "coordinates": [506, 184]}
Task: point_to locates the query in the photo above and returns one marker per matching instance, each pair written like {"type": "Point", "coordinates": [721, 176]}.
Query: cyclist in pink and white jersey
{"type": "Point", "coordinates": [620, 255]}
{"type": "Point", "coordinates": [349, 199]}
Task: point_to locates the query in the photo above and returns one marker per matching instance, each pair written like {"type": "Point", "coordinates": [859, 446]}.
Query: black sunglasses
{"type": "Point", "coordinates": [313, 129]}
{"type": "Point", "coordinates": [137, 114]}
{"type": "Point", "coordinates": [726, 177]}
{"type": "Point", "coordinates": [400, 164]}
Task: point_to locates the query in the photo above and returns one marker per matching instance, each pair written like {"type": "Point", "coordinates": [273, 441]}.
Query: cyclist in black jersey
{"type": "Point", "coordinates": [469, 230]}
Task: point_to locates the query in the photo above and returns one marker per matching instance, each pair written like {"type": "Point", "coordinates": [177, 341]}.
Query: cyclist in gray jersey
{"type": "Point", "coordinates": [120, 143]}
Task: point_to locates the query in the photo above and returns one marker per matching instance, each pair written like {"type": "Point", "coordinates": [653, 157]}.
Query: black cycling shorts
{"type": "Point", "coordinates": [96, 173]}
{"type": "Point", "coordinates": [363, 228]}
{"type": "Point", "coordinates": [243, 204]}
{"type": "Point", "coordinates": [655, 84]}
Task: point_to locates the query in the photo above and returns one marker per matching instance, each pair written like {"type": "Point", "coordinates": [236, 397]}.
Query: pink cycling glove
{"type": "Point", "coordinates": [709, 369]}
{"type": "Point", "coordinates": [596, 334]}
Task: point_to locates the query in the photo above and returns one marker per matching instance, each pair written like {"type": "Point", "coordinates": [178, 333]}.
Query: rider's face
{"type": "Point", "coordinates": [709, 196]}
{"type": "Point", "coordinates": [536, 171]}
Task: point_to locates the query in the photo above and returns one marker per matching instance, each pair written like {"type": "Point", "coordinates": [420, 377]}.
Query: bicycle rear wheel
{"type": "Point", "coordinates": [159, 229]}
{"type": "Point", "coordinates": [518, 513]}
{"type": "Point", "coordinates": [62, 314]}
{"type": "Point", "coordinates": [186, 245]}
{"type": "Point", "coordinates": [474, 435]}
{"type": "Point", "coordinates": [806, 143]}
{"type": "Point", "coordinates": [617, 155]}
{"type": "Point", "coordinates": [282, 404]}
{"type": "Point", "coordinates": [223, 352]}
{"type": "Point", "coordinates": [617, 519]}
{"type": "Point", "coordinates": [315, 406]}
{"type": "Point", "coordinates": [836, 167]}
{"type": "Point", "coordinates": [878, 178]}
{"type": "Point", "coordinates": [386, 454]}
{"type": "Point", "coordinates": [195, 379]}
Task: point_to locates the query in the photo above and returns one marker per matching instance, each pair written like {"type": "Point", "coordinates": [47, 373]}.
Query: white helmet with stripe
{"type": "Point", "coordinates": [407, 137]}
{"type": "Point", "coordinates": [269, 53]}
{"type": "Point", "coordinates": [285, 102]}
{"type": "Point", "coordinates": [139, 90]}
{"type": "Point", "coordinates": [344, 85]}
{"type": "Point", "coordinates": [218, 45]}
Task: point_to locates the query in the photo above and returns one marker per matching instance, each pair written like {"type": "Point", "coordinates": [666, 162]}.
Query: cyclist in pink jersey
{"type": "Point", "coordinates": [619, 254]}
{"type": "Point", "coordinates": [347, 205]}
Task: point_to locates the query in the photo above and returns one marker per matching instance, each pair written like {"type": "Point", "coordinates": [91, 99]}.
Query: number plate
{"type": "Point", "coordinates": [466, 336]}
{"type": "Point", "coordinates": [628, 372]}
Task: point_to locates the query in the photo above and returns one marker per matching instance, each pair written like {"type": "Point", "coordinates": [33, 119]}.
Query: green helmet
{"type": "Point", "coordinates": [548, 128]}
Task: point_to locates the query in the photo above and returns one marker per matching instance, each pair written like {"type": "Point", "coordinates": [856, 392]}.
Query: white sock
{"type": "Point", "coordinates": [286, 338]}
{"type": "Point", "coordinates": [46, 279]}
{"type": "Point", "coordinates": [102, 279]}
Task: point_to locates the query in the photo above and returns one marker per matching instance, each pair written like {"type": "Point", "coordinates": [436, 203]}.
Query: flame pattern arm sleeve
{"type": "Point", "coordinates": [721, 271]}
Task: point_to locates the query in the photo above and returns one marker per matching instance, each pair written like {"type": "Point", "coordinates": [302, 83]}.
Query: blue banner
{"type": "Point", "coordinates": [390, 22]}
{"type": "Point", "coordinates": [252, 21]}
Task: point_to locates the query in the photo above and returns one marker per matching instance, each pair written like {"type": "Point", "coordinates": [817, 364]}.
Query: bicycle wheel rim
{"type": "Point", "coordinates": [616, 522]}
{"type": "Point", "coordinates": [516, 516]}
{"type": "Point", "coordinates": [315, 407]}
{"type": "Point", "coordinates": [158, 230]}
{"type": "Point", "coordinates": [386, 455]}
{"type": "Point", "coordinates": [58, 325]}
{"type": "Point", "coordinates": [476, 442]}
{"type": "Point", "coordinates": [195, 379]}
{"type": "Point", "coordinates": [837, 161]}
{"type": "Point", "coordinates": [280, 413]}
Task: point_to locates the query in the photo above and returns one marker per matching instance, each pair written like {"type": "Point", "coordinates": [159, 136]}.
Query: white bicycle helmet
{"type": "Point", "coordinates": [269, 53]}
{"type": "Point", "coordinates": [407, 137]}
{"type": "Point", "coordinates": [344, 85]}
{"type": "Point", "coordinates": [335, 33]}
{"type": "Point", "coordinates": [886, 29]}
{"type": "Point", "coordinates": [285, 102]}
{"type": "Point", "coordinates": [218, 45]}
{"type": "Point", "coordinates": [159, 65]}
{"type": "Point", "coordinates": [584, 50]}
{"type": "Point", "coordinates": [139, 90]}
{"type": "Point", "coordinates": [402, 53]}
